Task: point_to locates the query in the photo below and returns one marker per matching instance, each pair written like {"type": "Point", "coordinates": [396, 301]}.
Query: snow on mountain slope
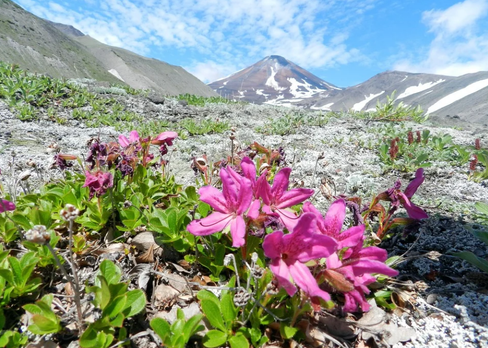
{"type": "Point", "coordinates": [273, 80]}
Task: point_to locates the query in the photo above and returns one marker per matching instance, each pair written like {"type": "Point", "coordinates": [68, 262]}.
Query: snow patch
{"type": "Point", "coordinates": [406, 77]}
{"type": "Point", "coordinates": [271, 82]}
{"type": "Point", "coordinates": [359, 106]}
{"type": "Point", "coordinates": [116, 74]}
{"type": "Point", "coordinates": [302, 89]}
{"type": "Point", "coordinates": [416, 89]}
{"type": "Point", "coordinates": [260, 92]}
{"type": "Point", "coordinates": [453, 97]}
{"type": "Point", "coordinates": [323, 107]}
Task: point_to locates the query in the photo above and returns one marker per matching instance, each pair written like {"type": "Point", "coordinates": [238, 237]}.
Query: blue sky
{"type": "Point", "coordinates": [344, 42]}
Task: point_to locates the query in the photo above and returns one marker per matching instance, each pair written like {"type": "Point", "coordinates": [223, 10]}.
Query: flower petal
{"type": "Point", "coordinates": [134, 136]}
{"type": "Point", "coordinates": [244, 196]}
{"type": "Point", "coordinates": [214, 198]}
{"type": "Point", "coordinates": [351, 237]}
{"type": "Point", "coordinates": [215, 222]}
{"type": "Point", "coordinates": [253, 211]}
{"type": "Point", "coordinates": [334, 218]}
{"type": "Point", "coordinates": [304, 244]}
{"type": "Point", "coordinates": [413, 211]}
{"type": "Point", "coordinates": [273, 245]}
{"type": "Point", "coordinates": [293, 197]}
{"type": "Point", "coordinates": [282, 273]}
{"type": "Point", "coordinates": [249, 169]}
{"type": "Point", "coordinates": [230, 189]}
{"type": "Point", "coordinates": [414, 185]}
{"type": "Point", "coordinates": [364, 266]}
{"type": "Point", "coordinates": [238, 231]}
{"type": "Point", "coordinates": [308, 207]}
{"type": "Point", "coordinates": [304, 279]}
{"type": "Point", "coordinates": [288, 218]}
{"type": "Point", "coordinates": [263, 189]}
{"type": "Point", "coordinates": [6, 206]}
{"type": "Point", "coordinates": [123, 141]}
{"type": "Point", "coordinates": [164, 138]}
{"type": "Point", "coordinates": [280, 183]}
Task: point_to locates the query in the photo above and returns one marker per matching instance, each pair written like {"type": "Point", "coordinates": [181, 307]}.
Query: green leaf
{"type": "Point", "coordinates": [161, 327]}
{"type": "Point", "coordinates": [43, 325]}
{"type": "Point", "coordinates": [239, 341]}
{"type": "Point", "coordinates": [110, 271]}
{"type": "Point", "coordinates": [214, 338]}
{"type": "Point", "coordinates": [21, 220]}
{"type": "Point", "coordinates": [136, 302]}
{"type": "Point", "coordinates": [212, 312]}
{"type": "Point", "coordinates": [115, 306]}
{"type": "Point", "coordinates": [482, 264]}
{"type": "Point", "coordinates": [482, 235]}
{"type": "Point", "coordinates": [482, 207]}
{"type": "Point", "coordinates": [192, 326]}
{"type": "Point", "coordinates": [286, 331]}
{"type": "Point", "coordinates": [229, 311]}
{"type": "Point", "coordinates": [211, 308]}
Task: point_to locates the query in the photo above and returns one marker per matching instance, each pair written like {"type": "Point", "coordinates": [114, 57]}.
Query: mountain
{"type": "Point", "coordinates": [63, 51]}
{"type": "Point", "coordinates": [463, 98]}
{"type": "Point", "coordinates": [276, 80]}
{"type": "Point", "coordinates": [272, 80]}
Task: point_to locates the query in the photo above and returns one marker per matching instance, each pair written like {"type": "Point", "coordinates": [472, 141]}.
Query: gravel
{"type": "Point", "coordinates": [448, 310]}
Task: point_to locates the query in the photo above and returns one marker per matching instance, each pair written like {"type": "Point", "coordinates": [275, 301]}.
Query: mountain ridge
{"type": "Point", "coordinates": [444, 98]}
{"type": "Point", "coordinates": [63, 51]}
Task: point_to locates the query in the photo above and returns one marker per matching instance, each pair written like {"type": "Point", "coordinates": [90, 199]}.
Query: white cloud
{"type": "Point", "coordinates": [312, 33]}
{"type": "Point", "coordinates": [460, 45]}
{"type": "Point", "coordinates": [462, 15]}
{"type": "Point", "coordinates": [210, 71]}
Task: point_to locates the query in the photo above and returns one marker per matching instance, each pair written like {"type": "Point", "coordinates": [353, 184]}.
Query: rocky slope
{"type": "Point", "coordinates": [62, 51]}
{"type": "Point", "coordinates": [445, 300]}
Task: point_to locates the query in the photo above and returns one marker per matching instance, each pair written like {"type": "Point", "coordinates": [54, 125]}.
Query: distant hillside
{"type": "Point", "coordinates": [61, 51]}
{"type": "Point", "coordinates": [34, 44]}
{"type": "Point", "coordinates": [463, 98]}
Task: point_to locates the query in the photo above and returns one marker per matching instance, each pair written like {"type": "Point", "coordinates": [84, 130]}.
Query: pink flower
{"type": "Point", "coordinates": [331, 225]}
{"type": "Point", "coordinates": [133, 138]}
{"type": "Point", "coordinates": [397, 197]}
{"type": "Point", "coordinates": [98, 182]}
{"type": "Point", "coordinates": [277, 198]}
{"type": "Point", "coordinates": [165, 138]}
{"type": "Point", "coordinates": [289, 253]}
{"type": "Point", "coordinates": [6, 206]}
{"type": "Point", "coordinates": [351, 273]}
{"type": "Point", "coordinates": [230, 205]}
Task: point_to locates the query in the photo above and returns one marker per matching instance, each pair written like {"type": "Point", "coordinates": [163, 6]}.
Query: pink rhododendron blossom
{"type": "Point", "coordinates": [6, 206]}
{"type": "Point", "coordinates": [277, 198]}
{"type": "Point", "coordinates": [133, 138]}
{"type": "Point", "coordinates": [331, 225]}
{"type": "Point", "coordinates": [351, 273]}
{"type": "Point", "coordinates": [397, 197]}
{"type": "Point", "coordinates": [165, 138]}
{"type": "Point", "coordinates": [98, 182]}
{"type": "Point", "coordinates": [229, 206]}
{"type": "Point", "coordinates": [289, 253]}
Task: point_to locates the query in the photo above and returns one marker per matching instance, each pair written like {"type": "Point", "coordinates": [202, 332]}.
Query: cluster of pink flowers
{"type": "Point", "coordinates": [124, 156]}
{"type": "Point", "coordinates": [348, 267]}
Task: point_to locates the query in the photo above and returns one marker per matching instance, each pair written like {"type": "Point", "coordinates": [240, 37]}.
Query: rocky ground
{"type": "Point", "coordinates": [443, 301]}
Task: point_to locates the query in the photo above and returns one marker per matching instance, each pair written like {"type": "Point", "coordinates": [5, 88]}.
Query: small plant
{"type": "Point", "coordinates": [44, 320]}
{"type": "Point", "coordinates": [392, 112]}
{"type": "Point", "coordinates": [178, 334]}
{"type": "Point", "coordinates": [205, 126]}
{"type": "Point", "coordinates": [116, 304]}
{"type": "Point", "coordinates": [476, 261]}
